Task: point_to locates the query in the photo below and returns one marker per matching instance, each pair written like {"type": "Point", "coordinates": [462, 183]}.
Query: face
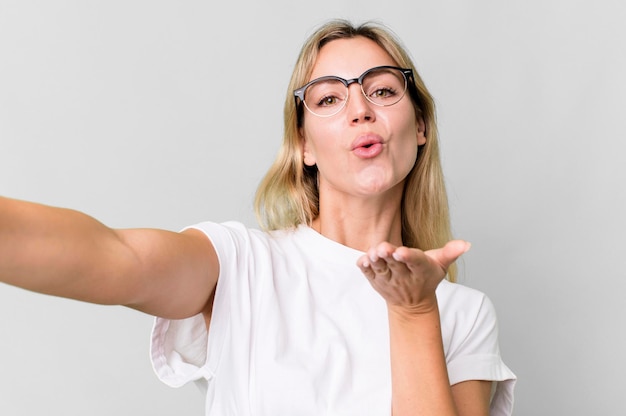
{"type": "Point", "coordinates": [364, 150]}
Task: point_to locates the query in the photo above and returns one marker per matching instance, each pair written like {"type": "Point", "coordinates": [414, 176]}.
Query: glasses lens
{"type": "Point", "coordinates": [325, 97]}
{"type": "Point", "coordinates": [384, 86]}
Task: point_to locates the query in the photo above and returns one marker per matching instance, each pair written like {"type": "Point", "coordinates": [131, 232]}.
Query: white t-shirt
{"type": "Point", "coordinates": [298, 330]}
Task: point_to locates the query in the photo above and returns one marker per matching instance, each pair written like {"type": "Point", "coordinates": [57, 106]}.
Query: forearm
{"type": "Point", "coordinates": [57, 251]}
{"type": "Point", "coordinates": [420, 384]}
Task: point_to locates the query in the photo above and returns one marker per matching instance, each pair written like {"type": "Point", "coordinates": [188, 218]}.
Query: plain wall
{"type": "Point", "coordinates": [163, 114]}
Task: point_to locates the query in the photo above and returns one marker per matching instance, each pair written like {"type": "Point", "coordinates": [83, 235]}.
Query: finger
{"type": "Point", "coordinates": [380, 257]}
{"type": "Point", "coordinates": [385, 250]}
{"type": "Point", "coordinates": [448, 254]}
{"type": "Point", "coordinates": [381, 269]}
{"type": "Point", "coordinates": [373, 270]}
{"type": "Point", "coordinates": [364, 264]}
{"type": "Point", "coordinates": [411, 258]}
{"type": "Point", "coordinates": [380, 251]}
{"type": "Point", "coordinates": [396, 262]}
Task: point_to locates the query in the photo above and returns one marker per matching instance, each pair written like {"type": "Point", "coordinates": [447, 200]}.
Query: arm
{"type": "Point", "coordinates": [407, 279]}
{"type": "Point", "coordinates": [418, 365]}
{"type": "Point", "coordinates": [66, 253]}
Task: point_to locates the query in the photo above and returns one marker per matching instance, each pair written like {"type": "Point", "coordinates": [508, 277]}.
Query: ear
{"type": "Point", "coordinates": [307, 155]}
{"type": "Point", "coordinates": [421, 131]}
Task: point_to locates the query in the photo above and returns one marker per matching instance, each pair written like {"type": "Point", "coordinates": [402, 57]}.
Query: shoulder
{"type": "Point", "coordinates": [234, 239]}
{"type": "Point", "coordinates": [217, 228]}
{"type": "Point", "coordinates": [455, 296]}
{"type": "Point", "coordinates": [236, 229]}
{"type": "Point", "coordinates": [468, 317]}
{"type": "Point", "coordinates": [228, 233]}
{"type": "Point", "coordinates": [469, 330]}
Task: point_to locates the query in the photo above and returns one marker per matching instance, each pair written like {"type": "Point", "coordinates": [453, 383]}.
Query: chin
{"type": "Point", "coordinates": [378, 187]}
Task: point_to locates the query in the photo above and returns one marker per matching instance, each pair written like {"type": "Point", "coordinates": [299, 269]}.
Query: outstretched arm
{"type": "Point", "coordinates": [66, 253]}
{"type": "Point", "coordinates": [407, 279]}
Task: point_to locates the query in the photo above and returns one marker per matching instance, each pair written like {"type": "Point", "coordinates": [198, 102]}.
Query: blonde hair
{"type": "Point", "coordinates": [288, 195]}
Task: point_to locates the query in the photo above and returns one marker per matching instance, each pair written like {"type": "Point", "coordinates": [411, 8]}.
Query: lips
{"type": "Point", "coordinates": [367, 146]}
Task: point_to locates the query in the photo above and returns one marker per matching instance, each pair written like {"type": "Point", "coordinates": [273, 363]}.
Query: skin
{"type": "Point", "coordinates": [360, 201]}
{"type": "Point", "coordinates": [66, 253]}
{"type": "Point", "coordinates": [356, 194]}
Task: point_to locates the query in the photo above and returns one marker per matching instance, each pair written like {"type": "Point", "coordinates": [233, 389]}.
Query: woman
{"type": "Point", "coordinates": [340, 306]}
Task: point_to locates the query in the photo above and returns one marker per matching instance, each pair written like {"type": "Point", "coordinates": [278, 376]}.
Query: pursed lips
{"type": "Point", "coordinates": [367, 146]}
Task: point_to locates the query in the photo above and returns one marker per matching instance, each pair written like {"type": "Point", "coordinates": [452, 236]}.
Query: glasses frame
{"type": "Point", "coordinates": [407, 73]}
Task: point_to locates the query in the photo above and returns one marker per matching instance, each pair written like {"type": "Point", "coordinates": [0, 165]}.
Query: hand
{"type": "Point", "coordinates": [407, 277]}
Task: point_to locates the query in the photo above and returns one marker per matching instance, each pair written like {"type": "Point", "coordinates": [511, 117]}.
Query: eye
{"type": "Point", "coordinates": [383, 93]}
{"type": "Point", "coordinates": [326, 93]}
{"type": "Point", "coordinates": [329, 100]}
{"type": "Point", "coordinates": [384, 86]}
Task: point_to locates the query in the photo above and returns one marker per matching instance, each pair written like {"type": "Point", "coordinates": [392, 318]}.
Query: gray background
{"type": "Point", "coordinates": [163, 114]}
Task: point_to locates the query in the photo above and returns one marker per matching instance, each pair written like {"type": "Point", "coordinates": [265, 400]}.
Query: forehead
{"type": "Point", "coordinates": [349, 58]}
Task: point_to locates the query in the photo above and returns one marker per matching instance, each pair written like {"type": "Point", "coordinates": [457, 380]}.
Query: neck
{"type": "Point", "coordinates": [361, 223]}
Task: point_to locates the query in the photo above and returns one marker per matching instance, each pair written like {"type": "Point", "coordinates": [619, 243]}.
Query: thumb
{"type": "Point", "coordinates": [448, 254]}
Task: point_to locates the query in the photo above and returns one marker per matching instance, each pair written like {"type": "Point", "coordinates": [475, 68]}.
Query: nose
{"type": "Point", "coordinates": [359, 109]}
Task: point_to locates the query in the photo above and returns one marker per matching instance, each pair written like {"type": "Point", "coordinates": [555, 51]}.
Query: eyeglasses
{"type": "Point", "coordinates": [381, 85]}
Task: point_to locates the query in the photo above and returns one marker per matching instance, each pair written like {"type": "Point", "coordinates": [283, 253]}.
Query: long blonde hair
{"type": "Point", "coordinates": [288, 194]}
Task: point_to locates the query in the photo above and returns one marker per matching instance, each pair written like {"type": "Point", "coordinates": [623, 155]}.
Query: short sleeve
{"type": "Point", "coordinates": [472, 351]}
{"type": "Point", "coordinates": [182, 350]}
{"type": "Point", "coordinates": [179, 349]}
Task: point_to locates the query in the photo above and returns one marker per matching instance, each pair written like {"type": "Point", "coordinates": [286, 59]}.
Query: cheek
{"type": "Point", "coordinates": [408, 155]}
{"type": "Point", "coordinates": [407, 129]}
{"type": "Point", "coordinates": [409, 137]}
{"type": "Point", "coordinates": [310, 146]}
{"type": "Point", "coordinates": [318, 137]}
{"type": "Point", "coordinates": [318, 127]}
